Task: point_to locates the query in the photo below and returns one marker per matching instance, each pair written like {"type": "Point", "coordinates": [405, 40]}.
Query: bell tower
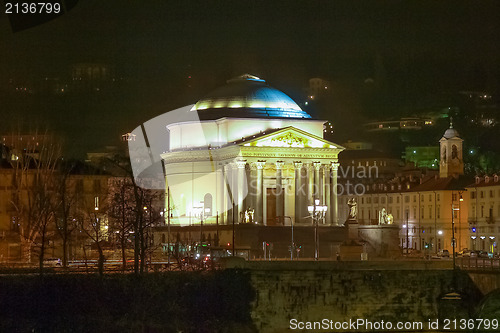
{"type": "Point", "coordinates": [451, 153]}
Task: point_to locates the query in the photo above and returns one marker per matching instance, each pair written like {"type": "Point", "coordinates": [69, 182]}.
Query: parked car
{"type": "Point", "coordinates": [52, 262]}
{"type": "Point", "coordinates": [483, 254]}
{"type": "Point", "coordinates": [444, 254]}
{"type": "Point", "coordinates": [465, 253]}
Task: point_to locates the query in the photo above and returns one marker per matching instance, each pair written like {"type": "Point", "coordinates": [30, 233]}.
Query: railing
{"type": "Point", "coordinates": [476, 263]}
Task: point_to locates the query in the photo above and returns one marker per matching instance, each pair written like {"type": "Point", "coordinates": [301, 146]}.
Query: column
{"type": "Point", "coordinates": [280, 196]}
{"type": "Point", "coordinates": [259, 193]}
{"type": "Point", "coordinates": [317, 187]}
{"type": "Point", "coordinates": [221, 197]}
{"type": "Point", "coordinates": [310, 184]}
{"type": "Point", "coordinates": [326, 193]}
{"type": "Point", "coordinates": [228, 194]}
{"type": "Point", "coordinates": [321, 185]}
{"type": "Point", "coordinates": [298, 192]}
{"type": "Point", "coordinates": [241, 185]}
{"type": "Point", "coordinates": [333, 194]}
{"type": "Point", "coordinates": [252, 182]}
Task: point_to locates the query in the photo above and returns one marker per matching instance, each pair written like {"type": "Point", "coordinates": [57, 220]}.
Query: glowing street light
{"type": "Point", "coordinates": [317, 212]}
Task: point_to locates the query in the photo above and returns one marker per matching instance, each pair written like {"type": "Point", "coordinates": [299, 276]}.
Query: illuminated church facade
{"type": "Point", "coordinates": [250, 156]}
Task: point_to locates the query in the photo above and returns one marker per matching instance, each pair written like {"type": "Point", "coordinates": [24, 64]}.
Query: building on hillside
{"type": "Point", "coordinates": [409, 124]}
{"type": "Point", "coordinates": [422, 157]}
{"type": "Point", "coordinates": [318, 87]}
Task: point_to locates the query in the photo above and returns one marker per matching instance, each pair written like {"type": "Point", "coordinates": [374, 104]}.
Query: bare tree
{"type": "Point", "coordinates": [33, 171]}
{"type": "Point", "coordinates": [65, 206]}
{"type": "Point", "coordinates": [94, 225]}
{"type": "Point", "coordinates": [137, 211]}
{"type": "Point", "coordinates": [121, 214]}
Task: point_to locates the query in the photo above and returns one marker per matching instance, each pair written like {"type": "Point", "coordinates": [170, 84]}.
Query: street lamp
{"type": "Point", "coordinates": [317, 212]}
{"type": "Point", "coordinates": [453, 241]}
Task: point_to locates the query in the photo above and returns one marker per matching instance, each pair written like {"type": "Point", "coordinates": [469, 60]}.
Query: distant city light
{"type": "Point", "coordinates": [440, 232]}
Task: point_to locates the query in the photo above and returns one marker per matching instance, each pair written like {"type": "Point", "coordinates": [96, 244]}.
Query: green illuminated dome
{"type": "Point", "coordinates": [248, 96]}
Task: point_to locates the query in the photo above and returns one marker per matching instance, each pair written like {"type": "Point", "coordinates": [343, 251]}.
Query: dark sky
{"type": "Point", "coordinates": [413, 48]}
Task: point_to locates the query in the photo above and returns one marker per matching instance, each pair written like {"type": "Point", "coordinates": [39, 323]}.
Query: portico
{"type": "Point", "coordinates": [267, 179]}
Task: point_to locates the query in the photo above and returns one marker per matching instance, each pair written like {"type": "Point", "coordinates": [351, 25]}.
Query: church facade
{"type": "Point", "coordinates": [251, 156]}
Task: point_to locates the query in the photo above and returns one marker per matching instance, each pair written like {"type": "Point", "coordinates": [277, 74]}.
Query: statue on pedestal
{"type": "Point", "coordinates": [353, 209]}
{"type": "Point", "coordinates": [384, 218]}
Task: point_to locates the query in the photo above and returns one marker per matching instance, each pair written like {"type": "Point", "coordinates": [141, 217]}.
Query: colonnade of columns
{"type": "Point", "coordinates": [312, 180]}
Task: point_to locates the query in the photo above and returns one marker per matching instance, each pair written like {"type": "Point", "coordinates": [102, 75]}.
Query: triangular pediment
{"type": "Point", "coordinates": [289, 137]}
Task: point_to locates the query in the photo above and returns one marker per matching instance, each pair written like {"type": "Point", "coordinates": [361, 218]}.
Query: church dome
{"type": "Point", "coordinates": [248, 96]}
{"type": "Point", "coordinates": [450, 133]}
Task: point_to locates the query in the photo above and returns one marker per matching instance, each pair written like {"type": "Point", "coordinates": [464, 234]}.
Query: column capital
{"type": "Point", "coordinates": [298, 165]}
{"type": "Point", "coordinates": [260, 164]}
{"type": "Point", "coordinates": [316, 165]}
{"type": "Point", "coordinates": [279, 165]}
{"type": "Point", "coordinates": [335, 166]}
{"type": "Point", "coordinates": [241, 164]}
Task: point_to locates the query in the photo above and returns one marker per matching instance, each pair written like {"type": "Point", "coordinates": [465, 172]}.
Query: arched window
{"type": "Point", "coordinates": [443, 155]}
{"type": "Point", "coordinates": [207, 204]}
{"type": "Point", "coordinates": [454, 152]}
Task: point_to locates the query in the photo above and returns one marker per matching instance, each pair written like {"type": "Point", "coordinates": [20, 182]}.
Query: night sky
{"type": "Point", "coordinates": [413, 50]}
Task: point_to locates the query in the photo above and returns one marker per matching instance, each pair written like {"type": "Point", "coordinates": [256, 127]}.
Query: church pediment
{"type": "Point", "coordinates": [290, 137]}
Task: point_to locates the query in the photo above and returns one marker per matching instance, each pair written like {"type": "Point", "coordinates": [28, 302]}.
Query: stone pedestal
{"type": "Point", "coordinates": [352, 248]}
{"type": "Point", "coordinates": [381, 241]}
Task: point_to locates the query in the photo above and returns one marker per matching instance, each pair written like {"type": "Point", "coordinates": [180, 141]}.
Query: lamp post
{"type": "Point", "coordinates": [407, 235]}
{"type": "Point", "coordinates": [168, 226]}
{"type": "Point", "coordinates": [460, 200]}
{"type": "Point", "coordinates": [317, 212]}
{"type": "Point", "coordinates": [453, 241]}
{"type": "Point", "coordinates": [293, 244]}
